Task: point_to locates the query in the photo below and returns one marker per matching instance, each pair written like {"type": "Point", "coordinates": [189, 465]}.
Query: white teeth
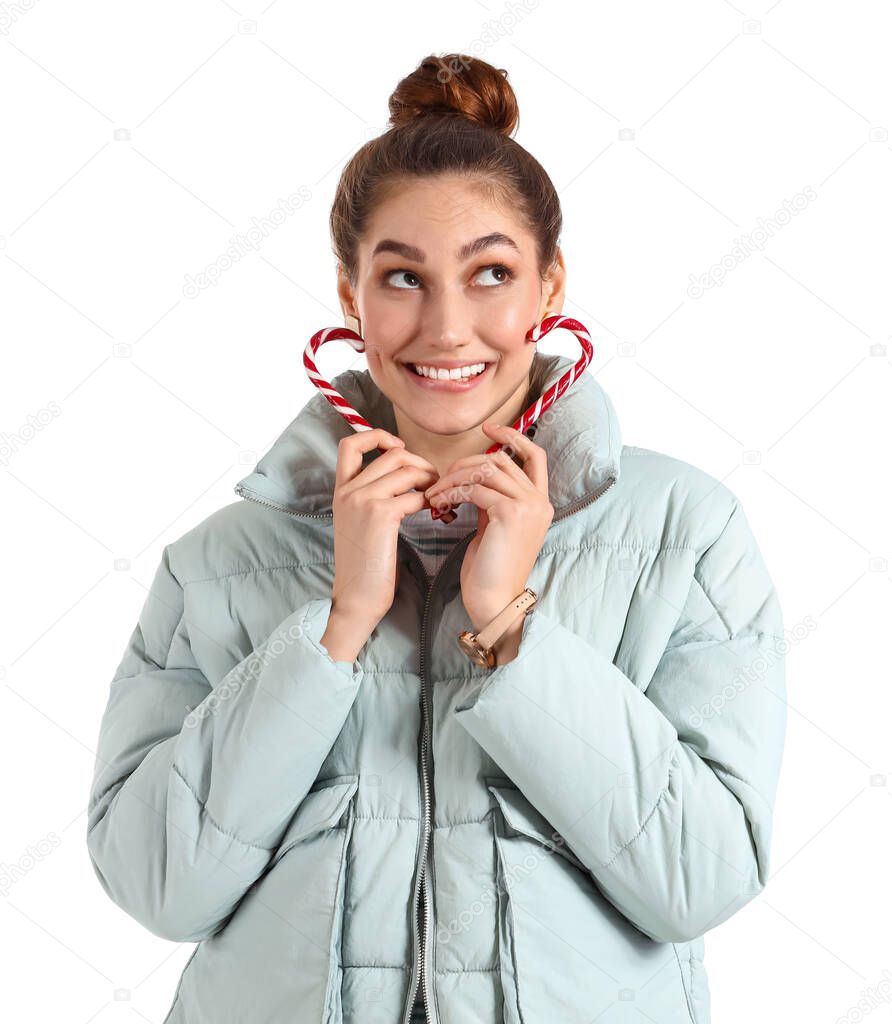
{"type": "Point", "coordinates": [471, 370]}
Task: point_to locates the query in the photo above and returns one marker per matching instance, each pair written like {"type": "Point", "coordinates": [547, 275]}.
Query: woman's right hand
{"type": "Point", "coordinates": [368, 505]}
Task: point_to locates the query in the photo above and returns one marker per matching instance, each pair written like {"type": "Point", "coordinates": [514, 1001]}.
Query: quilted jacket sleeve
{"type": "Point", "coordinates": [665, 796]}
{"type": "Point", "coordinates": [194, 785]}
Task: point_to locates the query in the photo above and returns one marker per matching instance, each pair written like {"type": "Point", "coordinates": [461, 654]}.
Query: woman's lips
{"type": "Point", "coordinates": [462, 384]}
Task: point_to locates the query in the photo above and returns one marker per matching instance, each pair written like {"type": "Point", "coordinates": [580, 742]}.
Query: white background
{"type": "Point", "coordinates": [138, 140]}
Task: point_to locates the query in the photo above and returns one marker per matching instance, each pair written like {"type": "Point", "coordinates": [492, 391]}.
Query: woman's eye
{"type": "Point", "coordinates": [497, 269]}
{"type": "Point", "coordinates": [406, 280]}
{"type": "Point", "coordinates": [400, 274]}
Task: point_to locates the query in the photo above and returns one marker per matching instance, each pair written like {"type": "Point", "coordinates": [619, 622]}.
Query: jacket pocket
{"type": "Point", "coordinates": [565, 952]}
{"type": "Point", "coordinates": [337, 811]}
{"type": "Point", "coordinates": [324, 807]}
{"type": "Point", "coordinates": [521, 818]}
{"type": "Point", "coordinates": [282, 947]}
{"type": "Point", "coordinates": [515, 821]}
{"type": "Point", "coordinates": [511, 1013]}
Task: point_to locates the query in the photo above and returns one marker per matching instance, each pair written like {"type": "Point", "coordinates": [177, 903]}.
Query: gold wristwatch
{"type": "Point", "coordinates": [479, 646]}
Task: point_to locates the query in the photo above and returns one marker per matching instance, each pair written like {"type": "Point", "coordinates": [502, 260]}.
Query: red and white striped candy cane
{"type": "Point", "coordinates": [545, 401]}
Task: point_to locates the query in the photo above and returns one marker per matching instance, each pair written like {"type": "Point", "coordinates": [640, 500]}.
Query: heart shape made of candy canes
{"type": "Point", "coordinates": [530, 415]}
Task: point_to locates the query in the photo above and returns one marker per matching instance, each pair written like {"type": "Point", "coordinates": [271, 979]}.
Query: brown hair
{"type": "Point", "coordinates": [453, 114]}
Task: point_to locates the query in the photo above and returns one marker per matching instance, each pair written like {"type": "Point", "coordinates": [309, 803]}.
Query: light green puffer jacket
{"type": "Point", "coordinates": [572, 821]}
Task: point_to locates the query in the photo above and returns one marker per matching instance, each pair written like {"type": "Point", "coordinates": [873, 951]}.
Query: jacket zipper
{"type": "Point", "coordinates": [239, 490]}
{"type": "Point", "coordinates": [422, 890]}
{"type": "Point", "coordinates": [420, 944]}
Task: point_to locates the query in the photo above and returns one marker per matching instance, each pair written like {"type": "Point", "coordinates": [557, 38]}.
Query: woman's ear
{"type": "Point", "coordinates": [554, 285]}
{"type": "Point", "coordinates": [345, 293]}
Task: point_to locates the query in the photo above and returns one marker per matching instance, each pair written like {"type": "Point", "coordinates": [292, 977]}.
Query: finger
{"type": "Point", "coordinates": [497, 481]}
{"type": "Point", "coordinates": [480, 469]}
{"type": "Point", "coordinates": [411, 501]}
{"type": "Point", "coordinates": [504, 460]}
{"type": "Point", "coordinates": [397, 482]}
{"type": "Point", "coordinates": [483, 497]}
{"type": "Point", "coordinates": [535, 461]}
{"type": "Point", "coordinates": [352, 448]}
{"type": "Point", "coordinates": [391, 460]}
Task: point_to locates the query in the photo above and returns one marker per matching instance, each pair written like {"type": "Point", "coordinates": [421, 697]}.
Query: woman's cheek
{"type": "Point", "coordinates": [512, 316]}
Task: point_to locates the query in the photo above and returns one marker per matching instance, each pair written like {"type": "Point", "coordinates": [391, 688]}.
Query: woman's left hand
{"type": "Point", "coordinates": [513, 518]}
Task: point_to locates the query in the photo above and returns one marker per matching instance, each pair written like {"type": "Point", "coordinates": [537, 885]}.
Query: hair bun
{"type": "Point", "coordinates": [456, 84]}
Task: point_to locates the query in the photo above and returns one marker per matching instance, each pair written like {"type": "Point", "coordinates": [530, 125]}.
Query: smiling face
{"type": "Point", "coordinates": [448, 280]}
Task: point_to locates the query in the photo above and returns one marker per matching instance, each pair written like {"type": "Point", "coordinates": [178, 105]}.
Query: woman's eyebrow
{"type": "Point", "coordinates": [412, 252]}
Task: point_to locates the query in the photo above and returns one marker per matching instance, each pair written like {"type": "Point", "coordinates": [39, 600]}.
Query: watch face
{"type": "Point", "coordinates": [470, 647]}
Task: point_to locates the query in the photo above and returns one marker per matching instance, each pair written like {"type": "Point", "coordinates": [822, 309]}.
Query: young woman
{"type": "Point", "coordinates": [302, 770]}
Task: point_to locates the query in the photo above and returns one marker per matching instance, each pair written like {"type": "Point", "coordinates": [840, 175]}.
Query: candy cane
{"type": "Point", "coordinates": [544, 402]}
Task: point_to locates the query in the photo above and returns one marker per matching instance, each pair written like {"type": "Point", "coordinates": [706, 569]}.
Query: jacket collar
{"type": "Point", "coordinates": [580, 434]}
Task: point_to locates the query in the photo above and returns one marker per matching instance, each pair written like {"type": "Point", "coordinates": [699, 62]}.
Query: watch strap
{"type": "Point", "coordinates": [521, 605]}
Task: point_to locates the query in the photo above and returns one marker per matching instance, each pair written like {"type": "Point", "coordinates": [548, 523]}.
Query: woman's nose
{"type": "Point", "coordinates": [448, 320]}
